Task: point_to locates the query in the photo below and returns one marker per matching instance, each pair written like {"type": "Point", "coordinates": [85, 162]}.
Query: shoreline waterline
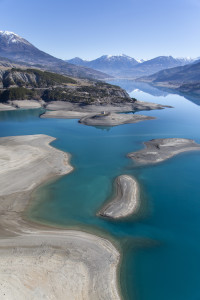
{"type": "Point", "coordinates": [99, 156]}
{"type": "Point", "coordinates": [29, 235]}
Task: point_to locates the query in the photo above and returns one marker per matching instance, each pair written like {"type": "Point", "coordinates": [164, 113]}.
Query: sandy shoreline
{"type": "Point", "coordinates": [37, 262]}
{"type": "Point", "coordinates": [91, 114]}
{"type": "Point", "coordinates": [20, 104]}
{"type": "Point", "coordinates": [126, 201]}
{"type": "Point", "coordinates": [159, 150]}
{"type": "Point", "coordinates": [97, 119]}
{"type": "Point", "coordinates": [58, 265]}
{"type": "Point", "coordinates": [6, 107]}
{"type": "Point", "coordinates": [100, 115]}
{"type": "Point", "coordinates": [113, 119]}
{"type": "Point", "coordinates": [94, 108]}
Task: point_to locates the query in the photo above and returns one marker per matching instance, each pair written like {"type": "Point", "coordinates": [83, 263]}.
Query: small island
{"type": "Point", "coordinates": [126, 201]}
{"type": "Point", "coordinates": [101, 114]}
{"type": "Point", "coordinates": [112, 119]}
{"type": "Point", "coordinates": [159, 150]}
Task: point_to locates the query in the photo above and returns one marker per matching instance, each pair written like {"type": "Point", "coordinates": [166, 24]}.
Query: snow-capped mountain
{"type": "Point", "coordinates": [140, 60]}
{"type": "Point", "coordinates": [16, 48]}
{"type": "Point", "coordinates": [120, 57]}
{"type": "Point", "coordinates": [12, 38]}
{"type": "Point", "coordinates": [187, 60]}
{"type": "Point", "coordinates": [114, 65]}
{"type": "Point", "coordinates": [128, 67]}
{"type": "Point", "coordinates": [157, 64]}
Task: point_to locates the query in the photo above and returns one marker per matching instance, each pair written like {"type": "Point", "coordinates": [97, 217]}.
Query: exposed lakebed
{"type": "Point", "coordinates": [161, 246]}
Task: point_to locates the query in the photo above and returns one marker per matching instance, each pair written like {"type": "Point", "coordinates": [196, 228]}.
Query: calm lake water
{"type": "Point", "coordinates": [161, 246]}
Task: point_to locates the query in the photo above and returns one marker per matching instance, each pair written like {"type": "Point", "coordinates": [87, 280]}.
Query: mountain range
{"type": "Point", "coordinates": [185, 79]}
{"type": "Point", "coordinates": [18, 49]}
{"type": "Point", "coordinates": [164, 71]}
{"type": "Point", "coordinates": [123, 66]}
{"type": "Point", "coordinates": [175, 76]}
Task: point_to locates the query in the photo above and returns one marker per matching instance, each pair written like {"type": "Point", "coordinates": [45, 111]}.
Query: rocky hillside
{"type": "Point", "coordinates": [32, 78]}
{"type": "Point", "coordinates": [6, 63]}
{"type": "Point", "coordinates": [19, 84]}
{"type": "Point", "coordinates": [185, 79]}
{"type": "Point", "coordinates": [177, 76]}
{"type": "Point", "coordinates": [16, 48]}
{"type": "Point", "coordinates": [191, 89]}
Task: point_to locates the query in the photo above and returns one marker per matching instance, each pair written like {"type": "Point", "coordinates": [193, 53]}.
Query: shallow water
{"type": "Point", "coordinates": [161, 247]}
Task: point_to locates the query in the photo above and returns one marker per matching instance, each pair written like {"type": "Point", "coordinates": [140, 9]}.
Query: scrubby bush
{"type": "Point", "coordinates": [16, 94]}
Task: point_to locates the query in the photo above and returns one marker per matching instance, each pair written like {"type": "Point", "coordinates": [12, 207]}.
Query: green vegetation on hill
{"type": "Point", "coordinates": [66, 95]}
{"type": "Point", "coordinates": [20, 84]}
{"type": "Point", "coordinates": [17, 93]}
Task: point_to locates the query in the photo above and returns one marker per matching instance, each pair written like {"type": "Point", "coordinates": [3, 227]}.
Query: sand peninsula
{"type": "Point", "coordinates": [91, 114]}
{"type": "Point", "coordinates": [126, 201]}
{"type": "Point", "coordinates": [21, 104]}
{"type": "Point", "coordinates": [159, 150]}
{"type": "Point", "coordinates": [102, 114]}
{"type": "Point", "coordinates": [113, 119]}
{"type": "Point", "coordinates": [38, 262]}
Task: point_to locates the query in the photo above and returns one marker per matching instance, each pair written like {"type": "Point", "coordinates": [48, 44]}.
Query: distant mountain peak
{"type": "Point", "coordinates": [12, 38]}
{"type": "Point", "coordinates": [16, 48]}
{"type": "Point", "coordinates": [117, 56]}
{"type": "Point", "coordinates": [140, 61]}
{"type": "Point", "coordinates": [8, 33]}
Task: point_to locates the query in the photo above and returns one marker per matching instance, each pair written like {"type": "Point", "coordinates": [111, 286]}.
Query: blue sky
{"type": "Point", "coordinates": [88, 29]}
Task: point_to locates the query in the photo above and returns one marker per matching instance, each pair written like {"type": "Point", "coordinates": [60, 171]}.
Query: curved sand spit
{"type": "Point", "coordinates": [100, 115]}
{"type": "Point", "coordinates": [126, 201]}
{"type": "Point", "coordinates": [159, 150]}
{"type": "Point", "coordinates": [97, 108]}
{"type": "Point", "coordinates": [46, 264]}
{"type": "Point", "coordinates": [98, 119]}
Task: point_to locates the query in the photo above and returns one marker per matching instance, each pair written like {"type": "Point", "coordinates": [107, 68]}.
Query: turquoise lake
{"type": "Point", "coordinates": [161, 246]}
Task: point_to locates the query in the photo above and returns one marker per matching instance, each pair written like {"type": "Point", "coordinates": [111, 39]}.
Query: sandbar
{"type": "Point", "coordinates": [5, 107]}
{"type": "Point", "coordinates": [158, 150]}
{"type": "Point", "coordinates": [26, 103]}
{"type": "Point", "coordinates": [100, 115]}
{"type": "Point", "coordinates": [126, 201]}
{"type": "Point", "coordinates": [21, 104]}
{"type": "Point", "coordinates": [94, 108]}
{"type": "Point", "coordinates": [113, 119]}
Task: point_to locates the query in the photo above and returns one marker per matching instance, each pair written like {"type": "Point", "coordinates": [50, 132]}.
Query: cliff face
{"type": "Point", "coordinates": [33, 78]}
{"type": "Point", "coordinates": [15, 78]}
{"type": "Point", "coordinates": [36, 84]}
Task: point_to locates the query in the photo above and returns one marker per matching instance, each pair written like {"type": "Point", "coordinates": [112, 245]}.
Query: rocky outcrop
{"type": "Point", "coordinates": [33, 78]}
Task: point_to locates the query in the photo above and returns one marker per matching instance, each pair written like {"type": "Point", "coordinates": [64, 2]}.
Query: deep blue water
{"type": "Point", "coordinates": [161, 247]}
